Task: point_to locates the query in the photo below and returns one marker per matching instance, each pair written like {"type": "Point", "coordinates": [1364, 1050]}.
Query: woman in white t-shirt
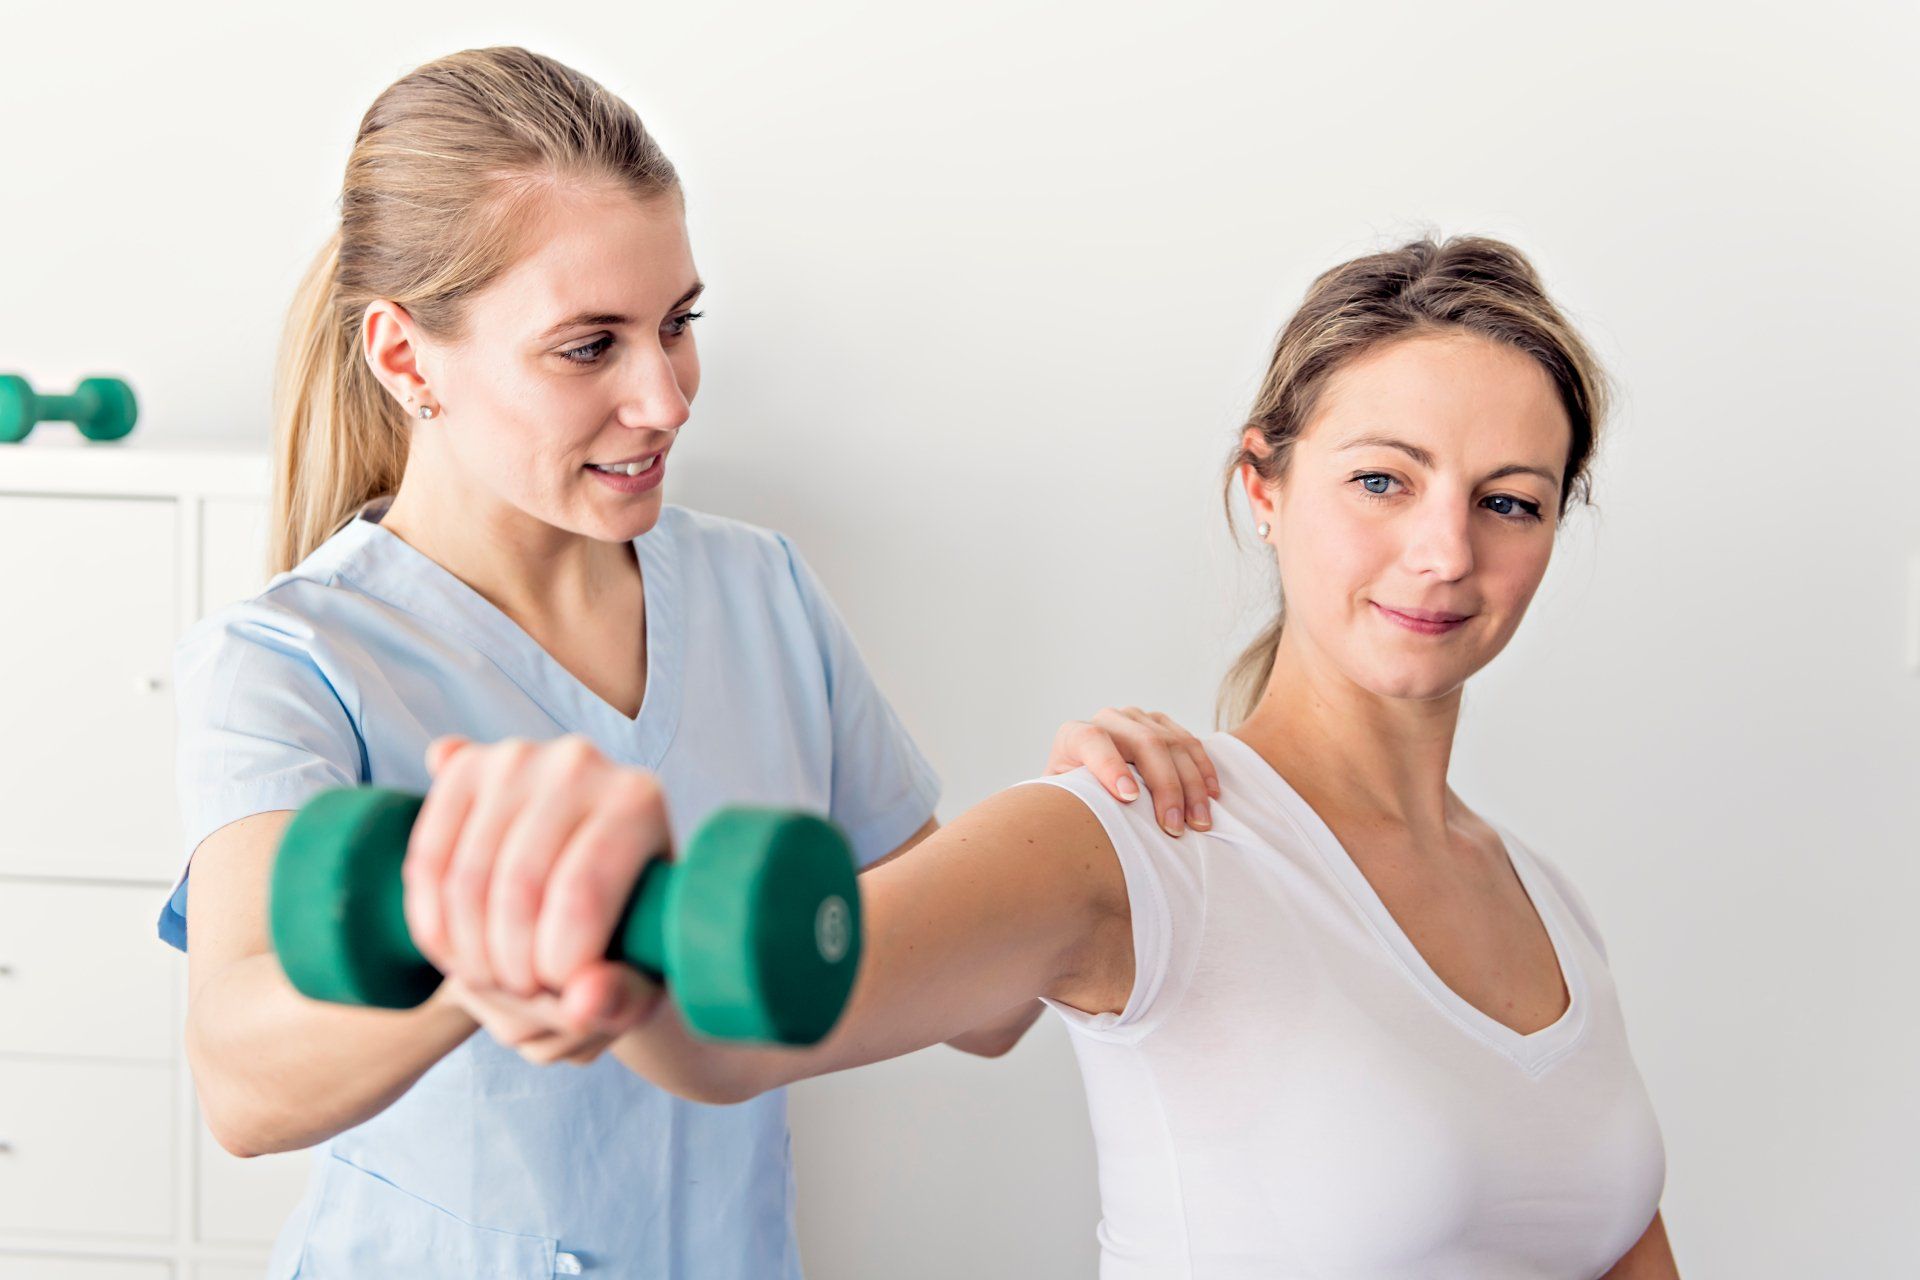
{"type": "Point", "coordinates": [1354, 1029]}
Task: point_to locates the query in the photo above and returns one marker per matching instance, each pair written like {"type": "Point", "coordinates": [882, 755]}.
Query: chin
{"type": "Point", "coordinates": [1422, 683]}
{"type": "Point", "coordinates": [625, 524]}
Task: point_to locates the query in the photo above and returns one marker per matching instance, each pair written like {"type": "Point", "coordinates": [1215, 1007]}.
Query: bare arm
{"type": "Point", "coordinates": [1649, 1259]}
{"type": "Point", "coordinates": [1022, 896]}
{"type": "Point", "coordinates": [999, 1034]}
{"type": "Point", "coordinates": [274, 1070]}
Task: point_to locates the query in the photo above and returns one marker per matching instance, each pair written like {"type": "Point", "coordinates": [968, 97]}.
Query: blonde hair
{"type": "Point", "coordinates": [452, 165]}
{"type": "Point", "coordinates": [1467, 284]}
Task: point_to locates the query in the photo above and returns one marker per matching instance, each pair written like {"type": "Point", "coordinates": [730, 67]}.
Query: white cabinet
{"type": "Point", "coordinates": [89, 1148]}
{"type": "Point", "coordinates": [108, 552]}
{"type": "Point", "coordinates": [53, 1266]}
{"type": "Point", "coordinates": [90, 593]}
{"type": "Point", "coordinates": [82, 974]}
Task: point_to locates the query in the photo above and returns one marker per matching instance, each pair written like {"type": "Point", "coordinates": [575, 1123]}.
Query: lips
{"type": "Point", "coordinates": [1425, 615]}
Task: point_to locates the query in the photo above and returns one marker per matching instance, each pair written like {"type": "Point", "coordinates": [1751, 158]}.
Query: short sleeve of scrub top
{"type": "Point", "coordinates": [259, 728]}
{"type": "Point", "coordinates": [286, 694]}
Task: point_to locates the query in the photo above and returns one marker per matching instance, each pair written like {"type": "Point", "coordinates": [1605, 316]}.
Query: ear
{"type": "Point", "coordinates": [390, 342]}
{"type": "Point", "coordinates": [1261, 499]}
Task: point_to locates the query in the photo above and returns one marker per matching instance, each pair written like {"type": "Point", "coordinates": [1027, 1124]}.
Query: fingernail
{"type": "Point", "coordinates": [1201, 818]}
{"type": "Point", "coordinates": [1127, 790]}
{"type": "Point", "coordinates": [1172, 822]}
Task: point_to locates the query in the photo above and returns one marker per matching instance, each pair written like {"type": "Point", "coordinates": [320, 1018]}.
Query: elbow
{"type": "Point", "coordinates": [242, 1131]}
{"type": "Point", "coordinates": [985, 1046]}
{"type": "Point", "coordinates": [247, 1138]}
{"type": "Point", "coordinates": [235, 1135]}
{"type": "Point", "coordinates": [720, 1091]}
{"type": "Point", "coordinates": [234, 1143]}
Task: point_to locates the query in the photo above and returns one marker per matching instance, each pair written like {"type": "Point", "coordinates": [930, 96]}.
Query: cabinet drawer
{"type": "Point", "coordinates": [45, 1266]}
{"type": "Point", "coordinates": [82, 973]}
{"type": "Point", "coordinates": [86, 656]}
{"type": "Point", "coordinates": [86, 1148]}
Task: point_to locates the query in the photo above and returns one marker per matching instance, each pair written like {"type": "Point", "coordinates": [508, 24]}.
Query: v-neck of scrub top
{"type": "Point", "coordinates": [1533, 1052]}
{"type": "Point", "coordinates": [394, 570]}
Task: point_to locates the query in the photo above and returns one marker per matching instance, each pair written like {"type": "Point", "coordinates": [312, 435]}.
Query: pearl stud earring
{"type": "Point", "coordinates": [426, 411]}
{"type": "Point", "coordinates": [1263, 528]}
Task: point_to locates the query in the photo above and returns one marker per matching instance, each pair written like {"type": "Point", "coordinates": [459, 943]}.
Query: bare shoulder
{"type": "Point", "coordinates": [1058, 834]}
{"type": "Point", "coordinates": [1063, 846]}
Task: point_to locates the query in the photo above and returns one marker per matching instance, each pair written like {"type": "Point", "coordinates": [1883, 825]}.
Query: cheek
{"type": "Point", "coordinates": [1514, 573]}
{"type": "Point", "coordinates": [686, 368]}
{"type": "Point", "coordinates": [1330, 554]}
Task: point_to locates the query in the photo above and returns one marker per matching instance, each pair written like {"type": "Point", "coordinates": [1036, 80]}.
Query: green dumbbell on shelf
{"type": "Point", "coordinates": [755, 931]}
{"type": "Point", "coordinates": [103, 408]}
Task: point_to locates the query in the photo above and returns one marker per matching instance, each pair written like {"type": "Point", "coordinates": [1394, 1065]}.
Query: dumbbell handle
{"type": "Point", "coordinates": [71, 407]}
{"type": "Point", "coordinates": [371, 900]}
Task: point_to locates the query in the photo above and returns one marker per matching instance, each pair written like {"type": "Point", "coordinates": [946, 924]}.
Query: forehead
{"type": "Point", "coordinates": [1455, 394]}
{"type": "Point", "coordinates": [606, 249]}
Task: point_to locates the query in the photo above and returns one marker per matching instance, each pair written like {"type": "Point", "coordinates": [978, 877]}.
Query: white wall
{"type": "Point", "coordinates": [989, 286]}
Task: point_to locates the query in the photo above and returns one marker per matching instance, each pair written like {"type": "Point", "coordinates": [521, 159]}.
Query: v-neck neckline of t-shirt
{"type": "Point", "coordinates": [404, 576]}
{"type": "Point", "coordinates": [1533, 1052]}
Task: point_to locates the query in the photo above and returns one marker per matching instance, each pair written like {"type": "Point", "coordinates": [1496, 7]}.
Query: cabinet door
{"type": "Point", "coordinates": [46, 1266]}
{"type": "Point", "coordinates": [87, 589]}
{"type": "Point", "coordinates": [81, 972]}
{"type": "Point", "coordinates": [86, 1148]}
{"type": "Point", "coordinates": [245, 1202]}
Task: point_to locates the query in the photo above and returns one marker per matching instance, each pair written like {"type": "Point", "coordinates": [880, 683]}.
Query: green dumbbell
{"type": "Point", "coordinates": [756, 931]}
{"type": "Point", "coordinates": [103, 408]}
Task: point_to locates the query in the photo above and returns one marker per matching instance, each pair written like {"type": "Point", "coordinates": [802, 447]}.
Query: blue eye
{"type": "Point", "coordinates": [1532, 509]}
{"type": "Point", "coordinates": [589, 353]}
{"type": "Point", "coordinates": [1529, 512]}
{"type": "Point", "coordinates": [598, 345]}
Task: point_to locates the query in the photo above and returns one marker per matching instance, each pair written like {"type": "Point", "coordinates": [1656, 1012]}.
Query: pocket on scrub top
{"type": "Point", "coordinates": [365, 1226]}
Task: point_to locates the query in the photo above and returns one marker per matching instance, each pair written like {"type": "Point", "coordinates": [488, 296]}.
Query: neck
{"type": "Point", "coordinates": [528, 569]}
{"type": "Point", "coordinates": [1352, 752]}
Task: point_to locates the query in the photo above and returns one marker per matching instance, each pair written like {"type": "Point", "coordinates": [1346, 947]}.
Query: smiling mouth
{"type": "Point", "coordinates": [1426, 615]}
{"type": "Point", "coordinates": [631, 467]}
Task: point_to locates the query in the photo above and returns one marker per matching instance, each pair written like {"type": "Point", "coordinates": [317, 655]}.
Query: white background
{"type": "Point", "coordinates": [991, 285]}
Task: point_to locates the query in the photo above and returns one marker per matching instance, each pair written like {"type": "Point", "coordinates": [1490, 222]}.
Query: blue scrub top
{"type": "Point", "coordinates": [340, 672]}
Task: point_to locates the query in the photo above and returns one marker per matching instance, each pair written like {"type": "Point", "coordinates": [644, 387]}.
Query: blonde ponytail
{"type": "Point", "coordinates": [338, 439]}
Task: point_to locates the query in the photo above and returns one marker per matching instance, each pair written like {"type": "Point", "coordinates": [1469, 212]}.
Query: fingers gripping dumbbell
{"type": "Point", "coordinates": [103, 408]}
{"type": "Point", "coordinates": [755, 931]}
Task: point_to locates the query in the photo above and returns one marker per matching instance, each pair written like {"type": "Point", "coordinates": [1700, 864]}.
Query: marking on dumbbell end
{"type": "Point", "coordinates": [830, 929]}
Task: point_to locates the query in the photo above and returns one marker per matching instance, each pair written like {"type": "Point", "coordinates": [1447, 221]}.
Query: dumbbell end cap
{"type": "Point", "coordinates": [335, 910]}
{"type": "Point", "coordinates": [764, 938]}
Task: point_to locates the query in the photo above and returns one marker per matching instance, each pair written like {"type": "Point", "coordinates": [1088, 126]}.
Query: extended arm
{"type": "Point", "coordinates": [1022, 896]}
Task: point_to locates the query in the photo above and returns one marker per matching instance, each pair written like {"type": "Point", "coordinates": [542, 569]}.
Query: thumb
{"type": "Point", "coordinates": [441, 749]}
{"type": "Point", "coordinates": [609, 997]}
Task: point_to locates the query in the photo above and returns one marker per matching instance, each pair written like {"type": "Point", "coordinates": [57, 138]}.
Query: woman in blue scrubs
{"type": "Point", "coordinates": [483, 378]}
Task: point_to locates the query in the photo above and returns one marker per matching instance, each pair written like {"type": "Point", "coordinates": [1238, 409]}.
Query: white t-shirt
{"type": "Point", "coordinates": [1291, 1091]}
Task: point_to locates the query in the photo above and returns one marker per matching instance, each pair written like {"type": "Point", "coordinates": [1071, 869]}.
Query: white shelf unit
{"type": "Point", "coordinates": [107, 552]}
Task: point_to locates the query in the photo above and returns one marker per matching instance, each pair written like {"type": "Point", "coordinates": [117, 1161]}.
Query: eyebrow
{"type": "Point", "coordinates": [612, 317]}
{"type": "Point", "coordinates": [1426, 459]}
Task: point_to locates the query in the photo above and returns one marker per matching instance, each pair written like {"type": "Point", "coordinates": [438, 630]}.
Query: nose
{"type": "Point", "coordinates": [653, 398]}
{"type": "Point", "coordinates": [1440, 539]}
